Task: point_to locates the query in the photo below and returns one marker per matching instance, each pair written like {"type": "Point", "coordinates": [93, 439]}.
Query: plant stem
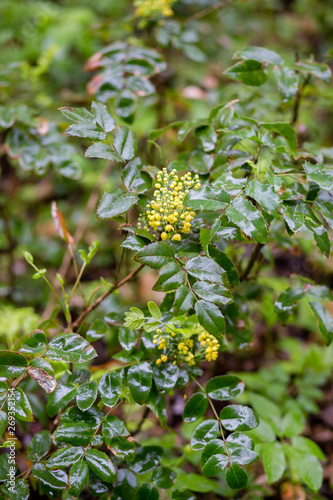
{"type": "Point", "coordinates": [252, 260]}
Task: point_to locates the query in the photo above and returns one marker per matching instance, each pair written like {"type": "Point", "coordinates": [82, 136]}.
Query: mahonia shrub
{"type": "Point", "coordinates": [203, 219]}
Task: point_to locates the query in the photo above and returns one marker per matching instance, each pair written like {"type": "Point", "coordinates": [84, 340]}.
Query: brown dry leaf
{"type": "Point", "coordinates": [60, 224]}
{"type": "Point", "coordinates": [43, 379]}
{"type": "Point", "coordinates": [292, 492]}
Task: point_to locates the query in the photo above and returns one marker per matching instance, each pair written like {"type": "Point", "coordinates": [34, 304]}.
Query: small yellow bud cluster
{"type": "Point", "coordinates": [166, 211]}
{"type": "Point", "coordinates": [184, 348]}
{"type": "Point", "coordinates": [162, 343]}
{"type": "Point", "coordinates": [153, 8]}
{"type": "Point", "coordinates": [211, 344]}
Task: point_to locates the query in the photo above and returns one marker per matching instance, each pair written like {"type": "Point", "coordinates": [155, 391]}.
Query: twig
{"type": "Point", "coordinates": [208, 10]}
{"type": "Point", "coordinates": [252, 260]}
{"type": "Point", "coordinates": [143, 418]}
{"type": "Point", "coordinates": [100, 299]}
{"type": "Point", "coordinates": [298, 99]}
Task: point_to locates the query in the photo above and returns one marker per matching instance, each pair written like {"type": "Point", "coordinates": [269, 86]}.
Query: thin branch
{"type": "Point", "coordinates": [208, 10]}
{"type": "Point", "coordinates": [142, 419]}
{"type": "Point", "coordinates": [100, 299]}
{"type": "Point", "coordinates": [298, 99]}
{"type": "Point", "coordinates": [252, 260]}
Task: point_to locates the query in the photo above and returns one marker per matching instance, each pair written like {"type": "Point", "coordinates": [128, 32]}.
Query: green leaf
{"type": "Point", "coordinates": [78, 115]}
{"type": "Point", "coordinates": [213, 458]}
{"type": "Point", "coordinates": [184, 300]}
{"type": "Point", "coordinates": [236, 477]}
{"type": "Point", "coordinates": [139, 379]}
{"type": "Point", "coordinates": [319, 70]}
{"type": "Point", "coordinates": [274, 461]}
{"type": "Point", "coordinates": [292, 423]}
{"type": "Point", "coordinates": [12, 365]}
{"type": "Point", "coordinates": [35, 344]}
{"type": "Point", "coordinates": [115, 203]}
{"type": "Point", "coordinates": [207, 138]}
{"type": "Point", "coordinates": [122, 448]}
{"type": "Point", "coordinates": [127, 338]}
{"type": "Point", "coordinates": [39, 446]}
{"type": "Point", "coordinates": [163, 477]}
{"type": "Point", "coordinates": [60, 398]}
{"type": "Point", "coordinates": [113, 427]}
{"type": "Point", "coordinates": [207, 198]}
{"type": "Point", "coordinates": [260, 54]}
{"type": "Point", "coordinates": [250, 72]}
{"type": "Point", "coordinates": [65, 457]}
{"type": "Point", "coordinates": [320, 235]}
{"type": "Point", "coordinates": [288, 81]}
{"type": "Point", "coordinates": [204, 268]}
{"type": "Point", "coordinates": [319, 174]}
{"type": "Point", "coordinates": [182, 495]}
{"type": "Point", "coordinates": [55, 479]}
{"type": "Point", "coordinates": [146, 459]}
{"type": "Point", "coordinates": [125, 486]}
{"type": "Point", "coordinates": [210, 317]}
{"type": "Point", "coordinates": [240, 454]}
{"type": "Point", "coordinates": [306, 466]}
{"type": "Point", "coordinates": [226, 263]}
{"type": "Point", "coordinates": [77, 433]}
{"type": "Point", "coordinates": [134, 178]}
{"type": "Point", "coordinates": [125, 143]}
{"type": "Point", "coordinates": [324, 320]}
{"type": "Point", "coordinates": [293, 216]}
{"type": "Point", "coordinates": [86, 395]}
{"type": "Point", "coordinates": [157, 404]}
{"type": "Point", "coordinates": [284, 129]}
{"type": "Point", "coordinates": [238, 417]}
{"type": "Point", "coordinates": [22, 407]}
{"type": "Point", "coordinates": [70, 347]}
{"type": "Point", "coordinates": [249, 220]}
{"type": "Point", "coordinates": [195, 407]}
{"type": "Point", "coordinates": [125, 105]}
{"type": "Point", "coordinates": [224, 387]}
{"type": "Point", "coordinates": [155, 255]}
{"type": "Point", "coordinates": [154, 310]}
{"type": "Point", "coordinates": [165, 376]}
{"type": "Point", "coordinates": [212, 292]}
{"type": "Point", "coordinates": [308, 446]}
{"type": "Point", "coordinates": [103, 117]}
{"type": "Point", "coordinates": [104, 151]}
{"type": "Point", "coordinates": [3, 422]}
{"type": "Point", "coordinates": [78, 478]}
{"type": "Point", "coordinates": [263, 194]}
{"type": "Point", "coordinates": [110, 388]}
{"type": "Point", "coordinates": [101, 465]}
{"type": "Point", "coordinates": [204, 433]}
{"type": "Point", "coordinates": [171, 276]}
{"type": "Point", "coordinates": [21, 490]}
{"type": "Point", "coordinates": [146, 491]}
{"type": "Point", "coordinates": [240, 439]}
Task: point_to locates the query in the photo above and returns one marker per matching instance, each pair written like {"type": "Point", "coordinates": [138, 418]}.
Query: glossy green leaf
{"type": "Point", "coordinates": [155, 255]}
{"type": "Point", "coordinates": [250, 72]}
{"type": "Point", "coordinates": [165, 376]}
{"type": "Point", "coordinates": [212, 292]}
{"type": "Point", "coordinates": [86, 395]}
{"type": "Point", "coordinates": [35, 344]}
{"type": "Point", "coordinates": [12, 365]}
{"type": "Point", "coordinates": [226, 263]}
{"type": "Point", "coordinates": [103, 117]}
{"type": "Point", "coordinates": [139, 379]}
{"type": "Point", "coordinates": [110, 388]}
{"type": "Point", "coordinates": [78, 478]}
{"type": "Point", "coordinates": [210, 317]}
{"type": "Point", "coordinates": [22, 406]}
{"type": "Point", "coordinates": [3, 422]}
{"type": "Point", "coordinates": [163, 477]}
{"type": "Point", "coordinates": [274, 461]}
{"type": "Point", "coordinates": [207, 138]}
{"type": "Point", "coordinates": [39, 446]}
{"type": "Point", "coordinates": [195, 407]}
{"type": "Point", "coordinates": [115, 203]}
{"type": "Point", "coordinates": [204, 433]}
{"type": "Point", "coordinates": [207, 198]}
{"type": "Point", "coordinates": [135, 179]}
{"type": "Point", "coordinates": [60, 398]}
{"type": "Point", "coordinates": [125, 143]}
{"type": "Point", "coordinates": [156, 402]}
{"type": "Point", "coordinates": [284, 129]}
{"type": "Point", "coordinates": [260, 54]}
{"type": "Point", "coordinates": [213, 459]}
{"type": "Point", "coordinates": [70, 347]}
{"type": "Point", "coordinates": [184, 300]}
{"type": "Point", "coordinates": [320, 235]}
{"type": "Point", "coordinates": [236, 477]}
{"type": "Point", "coordinates": [154, 310]}
{"type": "Point", "coordinates": [205, 269]}
{"type": "Point", "coordinates": [321, 175]}
{"type": "Point", "coordinates": [113, 427]}
{"type": "Point", "coordinates": [224, 387]}
{"type": "Point", "coordinates": [146, 491]}
{"type": "Point", "coordinates": [101, 465]}
{"type": "Point", "coordinates": [319, 70]}
{"type": "Point", "coordinates": [324, 320]}
{"type": "Point", "coordinates": [241, 454]}
{"type": "Point", "coordinates": [171, 277]}
{"type": "Point", "coordinates": [65, 457]}
{"type": "Point", "coordinates": [249, 220]}
{"type": "Point", "coordinates": [264, 194]}
{"type": "Point", "coordinates": [288, 81]}
{"type": "Point", "coordinates": [122, 448]}
{"type": "Point", "coordinates": [21, 490]}
{"type": "Point", "coordinates": [238, 417]}
{"type": "Point", "coordinates": [146, 459]}
{"type": "Point", "coordinates": [127, 338]}
{"type": "Point", "coordinates": [103, 151]}
{"type": "Point", "coordinates": [125, 486]}
{"type": "Point", "coordinates": [55, 479]}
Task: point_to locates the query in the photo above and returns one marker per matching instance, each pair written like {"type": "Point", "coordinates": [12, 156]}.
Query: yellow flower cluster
{"type": "Point", "coordinates": [166, 211]}
{"type": "Point", "coordinates": [162, 343]}
{"type": "Point", "coordinates": [184, 349]}
{"type": "Point", "coordinates": [212, 345]}
{"type": "Point", "coordinates": [153, 8]}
